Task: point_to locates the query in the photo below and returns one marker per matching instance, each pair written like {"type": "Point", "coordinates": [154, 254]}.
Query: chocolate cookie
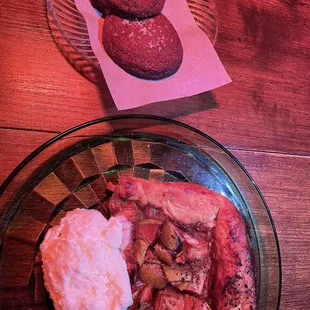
{"type": "Point", "coordinates": [149, 49]}
{"type": "Point", "coordinates": [136, 8]}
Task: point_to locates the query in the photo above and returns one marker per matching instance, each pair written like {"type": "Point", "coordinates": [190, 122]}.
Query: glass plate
{"type": "Point", "coordinates": [72, 170]}
{"type": "Point", "coordinates": [72, 26]}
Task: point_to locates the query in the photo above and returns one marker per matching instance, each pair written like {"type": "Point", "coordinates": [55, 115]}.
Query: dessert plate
{"type": "Point", "coordinates": [72, 170]}
{"type": "Point", "coordinates": [73, 28]}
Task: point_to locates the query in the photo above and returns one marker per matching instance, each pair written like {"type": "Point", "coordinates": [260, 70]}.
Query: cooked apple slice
{"type": "Point", "coordinates": [161, 253]}
{"type": "Point", "coordinates": [151, 258]}
{"type": "Point", "coordinates": [147, 230]}
{"type": "Point", "coordinates": [153, 275]}
{"type": "Point", "coordinates": [182, 286]}
{"type": "Point", "coordinates": [192, 253]}
{"type": "Point", "coordinates": [177, 274]}
{"type": "Point", "coordinates": [140, 248]}
{"type": "Point", "coordinates": [196, 285]}
{"type": "Point", "coordinates": [181, 257]}
{"type": "Point", "coordinates": [169, 237]}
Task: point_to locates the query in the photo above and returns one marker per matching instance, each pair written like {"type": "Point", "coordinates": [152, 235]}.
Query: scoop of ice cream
{"type": "Point", "coordinates": [83, 264]}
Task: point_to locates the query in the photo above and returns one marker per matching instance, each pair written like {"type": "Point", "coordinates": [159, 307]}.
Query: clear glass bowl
{"type": "Point", "coordinates": [72, 170]}
{"type": "Point", "coordinates": [72, 26]}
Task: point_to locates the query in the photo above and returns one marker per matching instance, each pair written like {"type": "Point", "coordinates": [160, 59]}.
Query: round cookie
{"type": "Point", "coordinates": [136, 8]}
{"type": "Point", "coordinates": [149, 49]}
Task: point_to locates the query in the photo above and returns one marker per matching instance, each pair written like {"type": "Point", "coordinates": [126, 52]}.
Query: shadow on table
{"type": "Point", "coordinates": [179, 107]}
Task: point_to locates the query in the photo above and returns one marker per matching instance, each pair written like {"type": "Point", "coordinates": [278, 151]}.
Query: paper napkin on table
{"type": "Point", "coordinates": [201, 69]}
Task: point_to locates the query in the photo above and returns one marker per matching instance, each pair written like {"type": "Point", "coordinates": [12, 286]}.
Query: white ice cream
{"type": "Point", "coordinates": [83, 264]}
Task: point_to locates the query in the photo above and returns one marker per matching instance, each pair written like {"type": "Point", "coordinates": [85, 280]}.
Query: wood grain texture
{"type": "Point", "coordinates": [285, 184]}
{"type": "Point", "coordinates": [263, 45]}
{"type": "Point", "coordinates": [15, 145]}
{"type": "Point", "coordinates": [263, 114]}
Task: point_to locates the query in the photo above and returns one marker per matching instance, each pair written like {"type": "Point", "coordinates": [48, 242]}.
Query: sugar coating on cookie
{"type": "Point", "coordinates": [136, 8]}
{"type": "Point", "coordinates": [149, 49]}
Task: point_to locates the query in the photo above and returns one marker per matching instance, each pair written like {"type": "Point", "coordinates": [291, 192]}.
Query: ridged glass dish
{"type": "Point", "coordinates": [72, 26]}
{"type": "Point", "coordinates": [72, 170]}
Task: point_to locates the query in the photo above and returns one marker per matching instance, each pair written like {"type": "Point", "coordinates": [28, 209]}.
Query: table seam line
{"type": "Point", "coordinates": [227, 147]}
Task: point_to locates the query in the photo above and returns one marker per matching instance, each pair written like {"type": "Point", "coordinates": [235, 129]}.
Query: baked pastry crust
{"type": "Point", "coordinates": [212, 235]}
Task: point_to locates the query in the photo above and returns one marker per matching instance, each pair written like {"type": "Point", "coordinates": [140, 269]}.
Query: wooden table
{"type": "Point", "coordinates": [262, 117]}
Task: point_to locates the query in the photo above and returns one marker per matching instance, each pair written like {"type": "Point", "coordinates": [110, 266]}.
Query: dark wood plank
{"type": "Point", "coordinates": [285, 185]}
{"type": "Point", "coordinates": [16, 145]}
{"type": "Point", "coordinates": [264, 46]}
